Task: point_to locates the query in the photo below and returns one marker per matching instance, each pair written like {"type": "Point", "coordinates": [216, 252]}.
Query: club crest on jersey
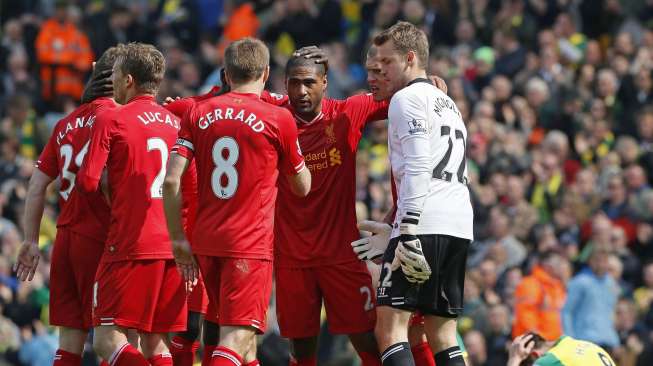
{"type": "Point", "coordinates": [417, 126]}
{"type": "Point", "coordinates": [330, 134]}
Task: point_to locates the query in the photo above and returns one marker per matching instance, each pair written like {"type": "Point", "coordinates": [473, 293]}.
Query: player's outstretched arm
{"type": "Point", "coordinates": [177, 165]}
{"type": "Point", "coordinates": [300, 183]}
{"type": "Point", "coordinates": [29, 255]}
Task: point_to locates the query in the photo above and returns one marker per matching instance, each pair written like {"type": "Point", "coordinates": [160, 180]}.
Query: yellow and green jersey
{"type": "Point", "coordinates": [568, 351]}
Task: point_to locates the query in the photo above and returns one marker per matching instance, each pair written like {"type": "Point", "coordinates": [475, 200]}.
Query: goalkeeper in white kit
{"type": "Point", "coordinates": [423, 266]}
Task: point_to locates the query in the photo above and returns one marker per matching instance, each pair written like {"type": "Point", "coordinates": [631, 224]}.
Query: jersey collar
{"type": "Point", "coordinates": [141, 97]}
{"type": "Point", "coordinates": [305, 122]}
{"type": "Point", "coordinates": [419, 80]}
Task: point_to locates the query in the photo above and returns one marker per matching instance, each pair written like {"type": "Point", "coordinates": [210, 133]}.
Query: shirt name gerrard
{"type": "Point", "coordinates": [149, 117]}
{"type": "Point", "coordinates": [216, 115]}
{"type": "Point", "coordinates": [79, 123]}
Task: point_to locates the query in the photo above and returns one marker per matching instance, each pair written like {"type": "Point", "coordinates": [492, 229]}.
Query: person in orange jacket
{"type": "Point", "coordinates": [64, 55]}
{"type": "Point", "coordinates": [539, 298]}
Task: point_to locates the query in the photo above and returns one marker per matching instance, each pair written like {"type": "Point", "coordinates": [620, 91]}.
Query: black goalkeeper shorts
{"type": "Point", "coordinates": [442, 294]}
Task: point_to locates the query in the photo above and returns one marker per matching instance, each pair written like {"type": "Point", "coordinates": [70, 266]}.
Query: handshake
{"type": "Point", "coordinates": [408, 254]}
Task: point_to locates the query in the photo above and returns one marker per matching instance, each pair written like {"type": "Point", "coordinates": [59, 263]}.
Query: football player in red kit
{"type": "Point", "coordinates": [137, 284]}
{"type": "Point", "coordinates": [184, 345]}
{"type": "Point", "coordinates": [313, 262]}
{"type": "Point", "coordinates": [240, 145]}
{"type": "Point", "coordinates": [81, 226]}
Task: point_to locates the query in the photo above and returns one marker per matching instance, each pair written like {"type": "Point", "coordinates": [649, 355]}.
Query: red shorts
{"type": "Point", "coordinates": [243, 285]}
{"type": "Point", "coordinates": [75, 260]}
{"type": "Point", "coordinates": [198, 300]}
{"type": "Point", "coordinates": [348, 298]}
{"type": "Point", "coordinates": [147, 295]}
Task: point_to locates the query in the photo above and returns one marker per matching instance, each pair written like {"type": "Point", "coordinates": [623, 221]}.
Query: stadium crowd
{"type": "Point", "coordinates": [557, 96]}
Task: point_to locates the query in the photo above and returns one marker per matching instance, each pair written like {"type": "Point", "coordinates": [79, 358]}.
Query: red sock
{"type": "Point", "coordinates": [308, 361]}
{"type": "Point", "coordinates": [253, 363]}
{"type": "Point", "coordinates": [183, 351]}
{"type": "Point", "coordinates": [423, 355]}
{"type": "Point", "coordinates": [104, 363]}
{"type": "Point", "coordinates": [164, 359]}
{"type": "Point", "coordinates": [65, 358]}
{"type": "Point", "coordinates": [223, 356]}
{"type": "Point", "coordinates": [208, 353]}
{"type": "Point", "coordinates": [127, 355]}
{"type": "Point", "coordinates": [369, 359]}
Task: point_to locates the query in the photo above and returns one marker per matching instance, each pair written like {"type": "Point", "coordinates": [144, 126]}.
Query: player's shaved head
{"type": "Point", "coordinates": [106, 61]}
{"type": "Point", "coordinates": [296, 62]}
{"type": "Point", "coordinates": [246, 60]}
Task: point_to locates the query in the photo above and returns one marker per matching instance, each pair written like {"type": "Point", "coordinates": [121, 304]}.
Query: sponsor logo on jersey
{"type": "Point", "coordinates": [417, 126]}
{"type": "Point", "coordinates": [334, 157]}
{"type": "Point", "coordinates": [322, 160]}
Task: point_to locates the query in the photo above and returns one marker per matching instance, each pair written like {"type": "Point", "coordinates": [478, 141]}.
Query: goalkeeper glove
{"type": "Point", "coordinates": [409, 253]}
{"type": "Point", "coordinates": [372, 247]}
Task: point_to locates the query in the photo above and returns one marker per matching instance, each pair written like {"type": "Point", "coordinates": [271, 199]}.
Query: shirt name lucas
{"type": "Point", "coordinates": [149, 117]}
{"type": "Point", "coordinates": [229, 114]}
{"type": "Point", "coordinates": [83, 121]}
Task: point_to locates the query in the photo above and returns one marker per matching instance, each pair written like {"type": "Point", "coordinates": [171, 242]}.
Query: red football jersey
{"type": "Point", "coordinates": [84, 213]}
{"type": "Point", "coordinates": [133, 141]}
{"type": "Point", "coordinates": [239, 144]}
{"type": "Point", "coordinates": [189, 180]}
{"type": "Point", "coordinates": [317, 229]}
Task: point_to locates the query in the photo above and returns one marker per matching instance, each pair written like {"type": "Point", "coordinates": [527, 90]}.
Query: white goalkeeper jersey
{"type": "Point", "coordinates": [427, 140]}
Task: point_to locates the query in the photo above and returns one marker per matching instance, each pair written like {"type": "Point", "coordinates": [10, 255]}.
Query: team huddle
{"type": "Point", "coordinates": [176, 218]}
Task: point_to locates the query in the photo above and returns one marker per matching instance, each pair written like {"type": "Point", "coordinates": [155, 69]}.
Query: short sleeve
{"type": "Point", "coordinates": [184, 145]}
{"type": "Point", "coordinates": [291, 159]}
{"type": "Point", "coordinates": [47, 162]}
{"type": "Point", "coordinates": [90, 172]}
{"type": "Point", "coordinates": [274, 98]}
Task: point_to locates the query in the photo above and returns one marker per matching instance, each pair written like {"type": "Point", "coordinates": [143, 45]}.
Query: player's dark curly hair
{"type": "Point", "coordinates": [539, 342]}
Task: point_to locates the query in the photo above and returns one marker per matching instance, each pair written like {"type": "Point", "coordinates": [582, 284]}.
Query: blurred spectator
{"type": "Point", "coordinates": [591, 300]}
{"type": "Point", "coordinates": [498, 335]}
{"type": "Point", "coordinates": [547, 191]}
{"type": "Point", "coordinates": [643, 295]}
{"type": "Point", "coordinates": [632, 334]}
{"type": "Point", "coordinates": [539, 298]}
{"type": "Point", "coordinates": [38, 346]}
{"type": "Point", "coordinates": [22, 126]}
{"type": "Point", "coordinates": [64, 55]}
{"type": "Point", "coordinates": [476, 349]}
{"type": "Point", "coordinates": [522, 215]}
